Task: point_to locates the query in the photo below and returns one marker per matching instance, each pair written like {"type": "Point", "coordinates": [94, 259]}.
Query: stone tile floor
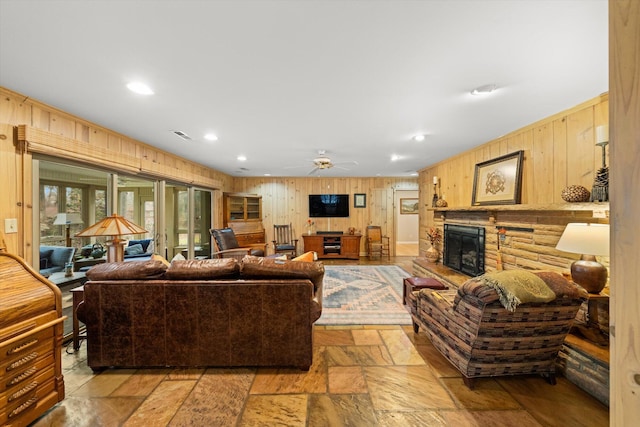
{"type": "Point", "coordinates": [361, 376]}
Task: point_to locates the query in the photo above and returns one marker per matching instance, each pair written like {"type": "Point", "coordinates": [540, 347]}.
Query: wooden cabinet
{"type": "Point", "coordinates": [333, 245]}
{"type": "Point", "coordinates": [31, 327]}
{"type": "Point", "coordinates": [243, 213]}
{"type": "Point", "coordinates": [242, 207]}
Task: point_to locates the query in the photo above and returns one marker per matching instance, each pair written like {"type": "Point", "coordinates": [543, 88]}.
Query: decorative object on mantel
{"type": "Point", "coordinates": [575, 193]}
{"type": "Point", "coordinates": [498, 181]}
{"type": "Point", "coordinates": [434, 201]}
{"type": "Point", "coordinates": [589, 240]}
{"type": "Point", "coordinates": [600, 190]}
{"type": "Point", "coordinates": [442, 203]}
{"type": "Point", "coordinates": [435, 237]}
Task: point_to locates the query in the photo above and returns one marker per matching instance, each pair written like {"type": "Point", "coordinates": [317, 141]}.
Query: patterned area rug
{"type": "Point", "coordinates": [363, 295]}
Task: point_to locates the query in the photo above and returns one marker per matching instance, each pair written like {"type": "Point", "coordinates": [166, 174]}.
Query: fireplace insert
{"type": "Point", "coordinates": [464, 249]}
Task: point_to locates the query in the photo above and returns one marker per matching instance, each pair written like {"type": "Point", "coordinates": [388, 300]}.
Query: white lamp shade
{"type": "Point", "coordinates": [582, 238]}
{"type": "Point", "coordinates": [67, 218]}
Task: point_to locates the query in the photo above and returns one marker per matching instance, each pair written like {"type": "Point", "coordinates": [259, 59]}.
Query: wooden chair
{"type": "Point", "coordinates": [227, 246]}
{"type": "Point", "coordinates": [284, 241]}
{"type": "Point", "coordinates": [377, 244]}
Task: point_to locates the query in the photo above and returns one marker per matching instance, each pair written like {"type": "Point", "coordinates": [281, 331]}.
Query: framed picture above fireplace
{"type": "Point", "coordinates": [498, 181]}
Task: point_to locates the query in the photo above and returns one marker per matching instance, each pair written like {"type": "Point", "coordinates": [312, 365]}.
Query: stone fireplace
{"type": "Point", "coordinates": [464, 249]}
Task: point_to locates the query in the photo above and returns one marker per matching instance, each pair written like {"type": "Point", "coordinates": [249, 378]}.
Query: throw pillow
{"type": "Point", "coordinates": [144, 243]}
{"type": "Point", "coordinates": [134, 249]}
{"type": "Point", "coordinates": [306, 257]}
{"type": "Point", "coordinates": [160, 258]}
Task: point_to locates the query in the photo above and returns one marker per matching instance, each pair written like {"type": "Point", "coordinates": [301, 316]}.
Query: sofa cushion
{"type": "Point", "coordinates": [134, 249]}
{"type": "Point", "coordinates": [561, 286]}
{"type": "Point", "coordinates": [144, 243]}
{"type": "Point", "coordinates": [257, 267]}
{"type": "Point", "coordinates": [219, 268]}
{"type": "Point", "coordinates": [45, 258]}
{"type": "Point", "coordinates": [127, 270]}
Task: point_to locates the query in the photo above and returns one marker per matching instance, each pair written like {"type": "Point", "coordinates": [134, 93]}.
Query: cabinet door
{"type": "Point", "coordinates": [313, 243]}
{"type": "Point", "coordinates": [253, 209]}
{"type": "Point", "coordinates": [350, 246]}
{"type": "Point", "coordinates": [236, 208]}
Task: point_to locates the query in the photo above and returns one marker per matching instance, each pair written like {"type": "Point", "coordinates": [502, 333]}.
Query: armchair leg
{"type": "Point", "coordinates": [469, 382]}
{"type": "Point", "coordinates": [550, 378]}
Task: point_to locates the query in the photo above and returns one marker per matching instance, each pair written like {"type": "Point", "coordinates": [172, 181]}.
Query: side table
{"type": "Point", "coordinates": [411, 284]}
{"type": "Point", "coordinates": [78, 297]}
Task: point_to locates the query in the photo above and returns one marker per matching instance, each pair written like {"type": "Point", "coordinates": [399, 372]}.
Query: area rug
{"type": "Point", "coordinates": [363, 295]}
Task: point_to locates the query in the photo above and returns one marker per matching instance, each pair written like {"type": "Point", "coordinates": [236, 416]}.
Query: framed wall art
{"type": "Point", "coordinates": [498, 181]}
{"type": "Point", "coordinates": [408, 206]}
{"type": "Point", "coordinates": [359, 200]}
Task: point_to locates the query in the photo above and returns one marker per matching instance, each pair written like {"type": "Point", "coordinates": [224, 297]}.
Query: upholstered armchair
{"type": "Point", "coordinates": [472, 328]}
{"type": "Point", "coordinates": [226, 245]}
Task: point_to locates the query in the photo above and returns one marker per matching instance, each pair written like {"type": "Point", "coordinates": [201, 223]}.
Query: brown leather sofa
{"type": "Point", "coordinates": [216, 312]}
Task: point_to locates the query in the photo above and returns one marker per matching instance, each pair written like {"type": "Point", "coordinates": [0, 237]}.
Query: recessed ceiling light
{"type": "Point", "coordinates": [139, 88]}
{"type": "Point", "coordinates": [394, 157]}
{"type": "Point", "coordinates": [267, 174]}
{"type": "Point", "coordinates": [483, 90]}
{"type": "Point", "coordinates": [242, 158]}
{"type": "Point", "coordinates": [211, 137]}
{"type": "Point", "coordinates": [419, 138]}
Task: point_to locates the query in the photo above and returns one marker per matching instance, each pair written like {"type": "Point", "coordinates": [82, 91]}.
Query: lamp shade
{"type": "Point", "coordinates": [582, 238]}
{"type": "Point", "coordinates": [67, 218]}
{"type": "Point", "coordinates": [589, 240]}
{"type": "Point", "coordinates": [114, 225]}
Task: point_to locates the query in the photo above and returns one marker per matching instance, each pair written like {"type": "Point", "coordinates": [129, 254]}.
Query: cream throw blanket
{"type": "Point", "coordinates": [515, 287]}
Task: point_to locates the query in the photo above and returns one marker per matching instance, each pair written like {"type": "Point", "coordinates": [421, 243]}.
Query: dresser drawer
{"type": "Point", "coordinates": [25, 327]}
{"type": "Point", "coordinates": [25, 360]}
{"type": "Point", "coordinates": [250, 239]}
{"type": "Point", "coordinates": [26, 382]}
{"type": "Point", "coordinates": [24, 409]}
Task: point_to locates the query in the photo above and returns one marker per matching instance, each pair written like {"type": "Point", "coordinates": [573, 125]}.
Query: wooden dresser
{"type": "Point", "coordinates": [31, 327]}
{"type": "Point", "coordinates": [243, 214]}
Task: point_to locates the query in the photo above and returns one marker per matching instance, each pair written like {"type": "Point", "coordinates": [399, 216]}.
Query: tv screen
{"type": "Point", "coordinates": [328, 205]}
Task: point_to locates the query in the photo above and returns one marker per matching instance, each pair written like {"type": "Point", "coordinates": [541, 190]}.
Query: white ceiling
{"type": "Point", "coordinates": [279, 80]}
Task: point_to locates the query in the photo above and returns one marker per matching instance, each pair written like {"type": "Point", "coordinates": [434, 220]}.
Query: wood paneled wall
{"type": "Point", "coordinates": [624, 75]}
{"type": "Point", "coordinates": [558, 151]}
{"type": "Point", "coordinates": [284, 201]}
{"type": "Point", "coordinates": [28, 127]}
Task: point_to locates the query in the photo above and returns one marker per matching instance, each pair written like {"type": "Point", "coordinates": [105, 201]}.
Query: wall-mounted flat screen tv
{"type": "Point", "coordinates": [328, 205]}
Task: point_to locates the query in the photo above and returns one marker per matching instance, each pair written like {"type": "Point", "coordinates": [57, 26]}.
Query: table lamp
{"type": "Point", "coordinates": [67, 219]}
{"type": "Point", "coordinates": [113, 226]}
{"type": "Point", "coordinates": [589, 240]}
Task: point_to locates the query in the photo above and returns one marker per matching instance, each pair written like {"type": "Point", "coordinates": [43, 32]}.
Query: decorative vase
{"type": "Point", "coordinates": [432, 254]}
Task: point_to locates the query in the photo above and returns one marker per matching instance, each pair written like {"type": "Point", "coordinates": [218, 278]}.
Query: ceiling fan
{"type": "Point", "coordinates": [324, 162]}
